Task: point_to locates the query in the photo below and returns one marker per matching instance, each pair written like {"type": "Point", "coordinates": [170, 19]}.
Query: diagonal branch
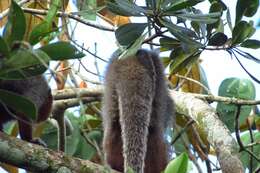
{"type": "Point", "coordinates": [216, 132]}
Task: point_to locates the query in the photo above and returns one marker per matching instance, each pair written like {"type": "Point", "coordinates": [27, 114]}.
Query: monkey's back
{"type": "Point", "coordinates": [136, 69]}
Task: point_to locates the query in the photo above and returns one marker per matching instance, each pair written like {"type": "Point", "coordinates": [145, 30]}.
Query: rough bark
{"type": "Point", "coordinates": [217, 134]}
{"type": "Point", "coordinates": [36, 158]}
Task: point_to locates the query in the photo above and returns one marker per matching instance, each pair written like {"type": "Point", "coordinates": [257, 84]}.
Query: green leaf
{"type": "Point", "coordinates": [241, 31]}
{"type": "Point", "coordinates": [129, 33]}
{"type": "Point", "coordinates": [18, 103]}
{"type": "Point", "coordinates": [179, 5]}
{"type": "Point", "coordinates": [203, 18]}
{"type": "Point", "coordinates": [178, 165]}
{"type": "Point", "coordinates": [246, 8]}
{"type": "Point", "coordinates": [61, 50]}
{"type": "Point", "coordinates": [181, 59]}
{"type": "Point", "coordinates": [4, 49]}
{"type": "Point", "coordinates": [169, 43]}
{"type": "Point", "coordinates": [245, 157]}
{"type": "Point", "coordinates": [133, 48]}
{"type": "Point", "coordinates": [229, 22]}
{"type": "Point", "coordinates": [16, 25]}
{"type": "Point", "coordinates": [218, 39]}
{"type": "Point", "coordinates": [215, 7]}
{"type": "Point", "coordinates": [55, 5]}
{"type": "Point", "coordinates": [235, 88]}
{"type": "Point", "coordinates": [39, 32]}
{"type": "Point", "coordinates": [125, 8]}
{"type": "Point", "coordinates": [88, 9]}
{"type": "Point", "coordinates": [251, 43]}
{"type": "Point", "coordinates": [21, 59]}
{"type": "Point", "coordinates": [183, 34]}
{"type": "Point", "coordinates": [23, 73]}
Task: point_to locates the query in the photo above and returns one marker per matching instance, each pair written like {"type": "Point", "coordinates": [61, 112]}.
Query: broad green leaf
{"type": "Point", "coordinates": [76, 144]}
{"type": "Point", "coordinates": [16, 25]}
{"type": "Point", "coordinates": [133, 48]}
{"type": "Point", "coordinates": [237, 88]}
{"type": "Point", "coordinates": [229, 22]}
{"type": "Point", "coordinates": [23, 73]}
{"type": "Point", "coordinates": [152, 4]}
{"type": "Point", "coordinates": [21, 59]}
{"type": "Point", "coordinates": [183, 34]}
{"type": "Point", "coordinates": [241, 31]}
{"type": "Point", "coordinates": [196, 26]}
{"type": "Point", "coordinates": [218, 39]}
{"type": "Point", "coordinates": [245, 157]}
{"type": "Point", "coordinates": [4, 48]}
{"type": "Point", "coordinates": [55, 5]}
{"type": "Point", "coordinates": [18, 103]}
{"type": "Point", "coordinates": [181, 59]}
{"type": "Point", "coordinates": [125, 8]}
{"type": "Point", "coordinates": [215, 7]}
{"type": "Point", "coordinates": [179, 5]}
{"type": "Point", "coordinates": [93, 121]}
{"type": "Point", "coordinates": [203, 18]}
{"type": "Point", "coordinates": [246, 8]}
{"type": "Point", "coordinates": [39, 32]}
{"type": "Point", "coordinates": [45, 28]}
{"type": "Point", "coordinates": [169, 43]}
{"type": "Point", "coordinates": [166, 61]}
{"type": "Point", "coordinates": [178, 165]}
{"type": "Point", "coordinates": [61, 51]}
{"type": "Point", "coordinates": [88, 9]}
{"type": "Point", "coordinates": [129, 33]}
{"type": "Point", "coordinates": [251, 43]}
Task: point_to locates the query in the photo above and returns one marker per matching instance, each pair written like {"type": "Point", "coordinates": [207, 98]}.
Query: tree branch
{"type": "Point", "coordinates": [217, 133]}
{"type": "Point", "coordinates": [39, 159]}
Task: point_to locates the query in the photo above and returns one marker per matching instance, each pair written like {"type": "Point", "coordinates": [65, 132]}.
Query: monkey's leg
{"type": "Point", "coordinates": [157, 151]}
{"type": "Point", "coordinates": [135, 104]}
{"type": "Point", "coordinates": [112, 142]}
{"type": "Point", "coordinates": [113, 146]}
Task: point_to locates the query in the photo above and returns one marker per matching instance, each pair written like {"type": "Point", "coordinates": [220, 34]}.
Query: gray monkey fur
{"type": "Point", "coordinates": [137, 99]}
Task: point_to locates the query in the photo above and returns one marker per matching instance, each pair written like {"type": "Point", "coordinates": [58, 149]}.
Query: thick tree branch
{"type": "Point", "coordinates": [217, 133]}
{"type": "Point", "coordinates": [199, 110]}
{"type": "Point", "coordinates": [39, 159]}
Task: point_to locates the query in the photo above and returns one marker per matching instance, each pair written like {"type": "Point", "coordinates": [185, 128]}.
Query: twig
{"type": "Point", "coordinates": [5, 12]}
{"type": "Point", "coordinates": [69, 15]}
{"type": "Point", "coordinates": [91, 53]}
{"type": "Point", "coordinates": [183, 130]}
{"type": "Point", "coordinates": [251, 148]}
{"type": "Point", "coordinates": [252, 144]}
{"type": "Point", "coordinates": [239, 141]}
{"type": "Point", "coordinates": [85, 78]}
{"type": "Point", "coordinates": [227, 100]}
{"type": "Point", "coordinates": [194, 81]}
{"type": "Point", "coordinates": [96, 64]}
{"type": "Point", "coordinates": [87, 70]}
